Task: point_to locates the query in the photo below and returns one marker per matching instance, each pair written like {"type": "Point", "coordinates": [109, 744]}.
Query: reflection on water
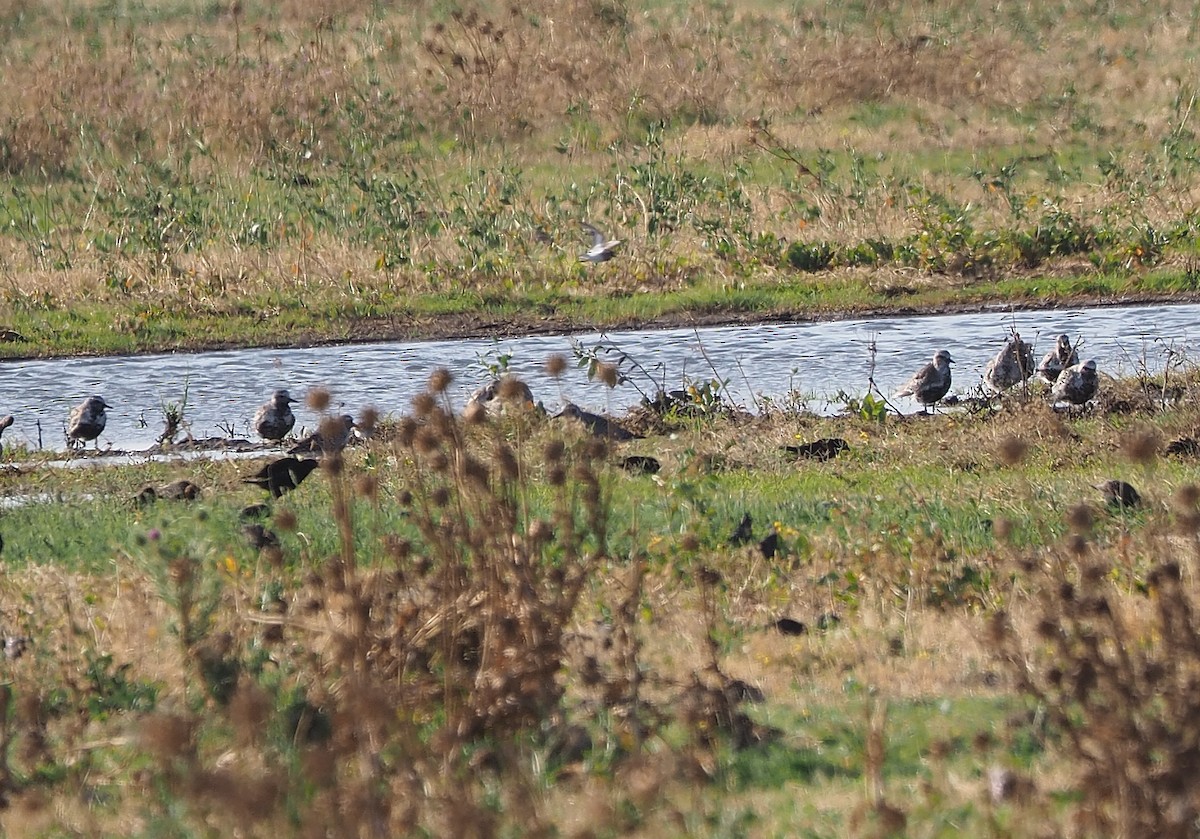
{"type": "Point", "coordinates": [223, 389]}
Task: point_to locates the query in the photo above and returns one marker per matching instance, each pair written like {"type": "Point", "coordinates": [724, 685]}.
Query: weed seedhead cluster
{"type": "Point", "coordinates": [1118, 674]}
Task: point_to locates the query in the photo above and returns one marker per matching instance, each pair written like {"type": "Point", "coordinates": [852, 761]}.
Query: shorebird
{"type": "Point", "coordinates": [331, 437]}
{"type": "Point", "coordinates": [826, 448]}
{"type": "Point", "coordinates": [931, 382]}
{"type": "Point", "coordinates": [1119, 493]}
{"type": "Point", "coordinates": [1058, 359]}
{"type": "Point", "coordinates": [1076, 384]}
{"type": "Point", "coordinates": [1011, 366]}
{"type": "Point", "coordinates": [87, 421]}
{"type": "Point", "coordinates": [602, 249]}
{"type": "Point", "coordinates": [596, 424]}
{"type": "Point", "coordinates": [275, 419]}
{"type": "Point", "coordinates": [282, 475]}
{"type": "Point", "coordinates": [501, 390]}
{"type": "Point", "coordinates": [5, 423]}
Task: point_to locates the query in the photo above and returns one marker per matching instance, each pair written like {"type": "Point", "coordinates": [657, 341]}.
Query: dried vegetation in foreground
{"type": "Point", "coordinates": [498, 631]}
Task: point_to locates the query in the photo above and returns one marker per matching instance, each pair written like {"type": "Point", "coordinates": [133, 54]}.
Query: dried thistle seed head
{"type": "Point", "coordinates": [1141, 446]}
{"type": "Point", "coordinates": [406, 431]}
{"type": "Point", "coordinates": [1047, 629]}
{"type": "Point", "coordinates": [440, 497]}
{"type": "Point", "coordinates": [475, 472]}
{"type": "Point", "coordinates": [475, 414]}
{"type": "Point", "coordinates": [708, 576]}
{"type": "Point", "coordinates": [513, 389]}
{"type": "Point", "coordinates": [506, 462]}
{"type": "Point", "coordinates": [595, 449]}
{"type": "Point", "coordinates": [1066, 592]}
{"type": "Point", "coordinates": [285, 520]}
{"type": "Point", "coordinates": [1081, 518]}
{"type": "Point", "coordinates": [423, 404]}
{"type": "Point", "coordinates": [540, 532]}
{"type": "Point", "coordinates": [333, 464]}
{"type": "Point", "coordinates": [317, 399]}
{"type": "Point", "coordinates": [689, 542]}
{"type": "Point", "coordinates": [400, 549]}
{"type": "Point", "coordinates": [439, 380]}
{"type": "Point", "coordinates": [608, 374]}
{"type": "Point", "coordinates": [1003, 529]}
{"type": "Point", "coordinates": [1077, 544]}
{"type": "Point", "coordinates": [427, 441]}
{"type": "Point", "coordinates": [438, 461]}
{"type": "Point", "coordinates": [167, 736]}
{"type": "Point", "coordinates": [248, 710]}
{"type": "Point", "coordinates": [556, 365]}
{"type": "Point", "coordinates": [367, 486]}
{"type": "Point", "coordinates": [556, 476]}
{"type": "Point", "coordinates": [1188, 496]}
{"type": "Point", "coordinates": [554, 451]}
{"type": "Point", "coordinates": [1012, 450]}
{"type": "Point", "coordinates": [368, 419]}
{"type": "Point", "coordinates": [404, 498]}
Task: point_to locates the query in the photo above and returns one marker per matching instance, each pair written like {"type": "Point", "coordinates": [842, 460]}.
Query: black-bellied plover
{"type": "Point", "coordinates": [330, 438]}
{"type": "Point", "coordinates": [1076, 384]}
{"type": "Point", "coordinates": [5, 423]}
{"type": "Point", "coordinates": [826, 448]}
{"type": "Point", "coordinates": [1011, 366]}
{"type": "Point", "coordinates": [282, 475]}
{"type": "Point", "coordinates": [507, 389]}
{"type": "Point", "coordinates": [602, 249]}
{"type": "Point", "coordinates": [596, 424]}
{"type": "Point", "coordinates": [931, 382]}
{"type": "Point", "coordinates": [1058, 359]}
{"type": "Point", "coordinates": [87, 421]}
{"type": "Point", "coordinates": [274, 420]}
{"type": "Point", "coordinates": [1119, 493]}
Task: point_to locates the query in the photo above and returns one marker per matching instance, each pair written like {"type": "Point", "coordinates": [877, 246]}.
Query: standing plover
{"type": "Point", "coordinates": [5, 423]}
{"type": "Point", "coordinates": [931, 382]}
{"type": "Point", "coordinates": [87, 421]}
{"type": "Point", "coordinates": [1011, 366]}
{"type": "Point", "coordinates": [602, 249]}
{"type": "Point", "coordinates": [275, 419]}
{"type": "Point", "coordinates": [1058, 359]}
{"type": "Point", "coordinates": [1076, 384]}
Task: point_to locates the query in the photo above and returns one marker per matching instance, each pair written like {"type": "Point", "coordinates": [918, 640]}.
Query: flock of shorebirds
{"type": "Point", "coordinates": [1070, 381]}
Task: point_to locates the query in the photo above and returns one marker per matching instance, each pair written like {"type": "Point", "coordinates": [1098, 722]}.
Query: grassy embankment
{"type": "Point", "coordinates": [181, 175]}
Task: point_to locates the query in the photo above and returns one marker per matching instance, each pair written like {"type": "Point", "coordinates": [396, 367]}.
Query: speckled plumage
{"type": "Point", "coordinates": [331, 437]}
{"type": "Point", "coordinates": [87, 421]}
{"type": "Point", "coordinates": [1058, 359]}
{"type": "Point", "coordinates": [274, 420]}
{"type": "Point", "coordinates": [1011, 366]}
{"type": "Point", "coordinates": [931, 382]}
{"type": "Point", "coordinates": [1077, 383]}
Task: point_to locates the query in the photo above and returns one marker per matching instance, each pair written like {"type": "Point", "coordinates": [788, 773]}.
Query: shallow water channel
{"type": "Point", "coordinates": [769, 361]}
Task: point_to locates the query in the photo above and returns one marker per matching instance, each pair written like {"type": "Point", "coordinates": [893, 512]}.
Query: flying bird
{"type": "Point", "coordinates": [1058, 359]}
{"type": "Point", "coordinates": [1011, 366]}
{"type": "Point", "coordinates": [931, 382]}
{"type": "Point", "coordinates": [1076, 384]}
{"type": "Point", "coordinates": [274, 420]}
{"type": "Point", "coordinates": [87, 421]}
{"type": "Point", "coordinates": [282, 475]}
{"type": "Point", "coordinates": [330, 438]}
{"type": "Point", "coordinates": [602, 249]}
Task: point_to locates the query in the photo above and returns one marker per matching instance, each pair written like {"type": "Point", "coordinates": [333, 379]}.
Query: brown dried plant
{"type": "Point", "coordinates": [1118, 675]}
